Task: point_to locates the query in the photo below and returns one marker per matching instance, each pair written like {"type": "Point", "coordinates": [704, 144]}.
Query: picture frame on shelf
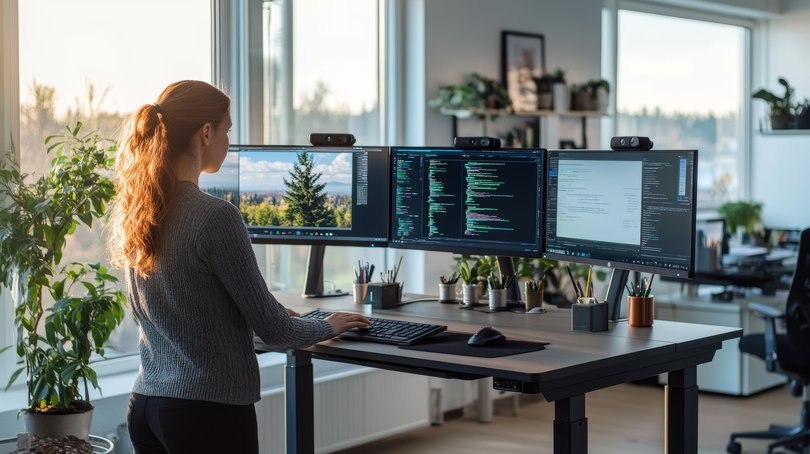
{"type": "Point", "coordinates": [523, 59]}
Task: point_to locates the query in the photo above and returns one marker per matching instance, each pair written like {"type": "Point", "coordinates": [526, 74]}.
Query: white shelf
{"type": "Point", "coordinates": [468, 113]}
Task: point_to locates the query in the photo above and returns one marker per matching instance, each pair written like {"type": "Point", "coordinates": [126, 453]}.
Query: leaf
{"type": "Point", "coordinates": [13, 378]}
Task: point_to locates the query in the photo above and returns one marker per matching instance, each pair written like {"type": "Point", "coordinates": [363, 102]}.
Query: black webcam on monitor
{"type": "Point", "coordinates": [477, 143]}
{"type": "Point", "coordinates": [631, 143]}
{"type": "Point", "coordinates": [320, 139]}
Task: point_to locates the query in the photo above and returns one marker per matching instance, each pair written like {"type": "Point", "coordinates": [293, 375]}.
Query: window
{"type": "Point", "coordinates": [320, 67]}
{"type": "Point", "coordinates": [680, 81]}
{"type": "Point", "coordinates": [97, 61]}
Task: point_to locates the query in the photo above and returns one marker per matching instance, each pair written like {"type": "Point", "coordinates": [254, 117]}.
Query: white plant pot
{"type": "Point", "coordinates": [59, 426]}
{"type": "Point", "coordinates": [560, 91]}
{"type": "Point", "coordinates": [601, 101]}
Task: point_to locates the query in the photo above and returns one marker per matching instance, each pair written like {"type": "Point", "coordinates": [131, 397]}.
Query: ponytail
{"type": "Point", "coordinates": [158, 134]}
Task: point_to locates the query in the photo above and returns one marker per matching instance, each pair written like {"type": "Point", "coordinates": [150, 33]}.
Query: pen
{"type": "Point", "coordinates": [588, 282]}
{"type": "Point", "coordinates": [577, 290]}
{"type": "Point", "coordinates": [396, 270]}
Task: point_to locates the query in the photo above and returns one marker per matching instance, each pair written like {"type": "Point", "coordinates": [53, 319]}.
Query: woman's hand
{"type": "Point", "coordinates": [292, 312]}
{"type": "Point", "coordinates": [343, 321]}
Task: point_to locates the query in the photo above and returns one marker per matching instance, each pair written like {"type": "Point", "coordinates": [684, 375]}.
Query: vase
{"type": "Point", "coordinates": [600, 100]}
{"type": "Point", "coordinates": [560, 97]}
{"type": "Point", "coordinates": [59, 426]}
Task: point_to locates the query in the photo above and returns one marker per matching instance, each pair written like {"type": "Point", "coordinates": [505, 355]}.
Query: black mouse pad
{"type": "Point", "coordinates": [456, 344]}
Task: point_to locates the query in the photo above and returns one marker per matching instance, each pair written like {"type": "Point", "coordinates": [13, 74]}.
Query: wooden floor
{"type": "Point", "coordinates": [622, 419]}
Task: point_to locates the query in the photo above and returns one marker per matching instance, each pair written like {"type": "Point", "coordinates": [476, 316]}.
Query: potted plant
{"type": "Point", "coordinates": [56, 345]}
{"type": "Point", "coordinates": [478, 92]}
{"type": "Point", "coordinates": [581, 98]}
{"type": "Point", "coordinates": [803, 114]}
{"type": "Point", "coordinates": [545, 98]}
{"type": "Point", "coordinates": [780, 108]}
{"type": "Point", "coordinates": [469, 275]}
{"type": "Point", "coordinates": [742, 218]}
{"type": "Point", "coordinates": [560, 91]}
{"type": "Point", "coordinates": [600, 89]}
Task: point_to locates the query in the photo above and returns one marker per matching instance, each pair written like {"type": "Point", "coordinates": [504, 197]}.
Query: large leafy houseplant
{"type": "Point", "coordinates": [477, 92]}
{"type": "Point", "coordinates": [780, 108]}
{"type": "Point", "coordinates": [36, 217]}
{"type": "Point", "coordinates": [747, 215]}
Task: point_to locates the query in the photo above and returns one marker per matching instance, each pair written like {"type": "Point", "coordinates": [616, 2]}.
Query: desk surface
{"type": "Point", "coordinates": [620, 354]}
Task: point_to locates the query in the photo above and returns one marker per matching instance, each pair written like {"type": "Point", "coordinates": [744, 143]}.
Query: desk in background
{"type": "Point", "coordinates": [573, 364]}
{"type": "Point", "coordinates": [731, 372]}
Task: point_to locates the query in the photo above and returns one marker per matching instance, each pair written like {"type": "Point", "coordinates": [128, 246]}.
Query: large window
{"type": "Point", "coordinates": [96, 61]}
{"type": "Point", "coordinates": [680, 81]}
{"type": "Point", "coordinates": [321, 73]}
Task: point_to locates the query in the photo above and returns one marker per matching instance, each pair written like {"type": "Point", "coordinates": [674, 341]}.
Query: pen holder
{"type": "Point", "coordinates": [447, 293]}
{"type": "Point", "coordinates": [533, 299]}
{"type": "Point", "coordinates": [384, 295]}
{"type": "Point", "coordinates": [497, 299]}
{"type": "Point", "coordinates": [360, 293]}
{"type": "Point", "coordinates": [640, 311]}
{"type": "Point", "coordinates": [588, 315]}
{"type": "Point", "coordinates": [469, 296]}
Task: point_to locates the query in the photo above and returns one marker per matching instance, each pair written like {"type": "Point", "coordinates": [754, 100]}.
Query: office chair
{"type": "Point", "coordinates": [787, 354]}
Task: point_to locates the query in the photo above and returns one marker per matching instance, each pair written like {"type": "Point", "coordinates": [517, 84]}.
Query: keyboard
{"type": "Point", "coordinates": [386, 331]}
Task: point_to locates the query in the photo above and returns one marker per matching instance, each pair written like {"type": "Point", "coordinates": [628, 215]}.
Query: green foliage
{"type": "Point", "coordinates": [468, 273]}
{"type": "Point", "coordinates": [35, 220]}
{"type": "Point", "coordinates": [305, 197]}
{"type": "Point", "coordinates": [779, 106]}
{"type": "Point", "coordinates": [741, 213]}
{"type": "Point", "coordinates": [477, 92]}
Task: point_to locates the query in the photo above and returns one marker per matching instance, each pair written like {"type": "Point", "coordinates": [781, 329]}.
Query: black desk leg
{"type": "Point", "coordinates": [570, 426]}
{"type": "Point", "coordinates": [682, 412]}
{"type": "Point", "coordinates": [299, 402]}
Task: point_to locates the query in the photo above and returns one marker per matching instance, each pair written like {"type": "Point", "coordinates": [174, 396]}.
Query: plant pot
{"type": "Point", "coordinates": [581, 100]}
{"type": "Point", "coordinates": [59, 426]}
{"type": "Point", "coordinates": [560, 92]}
{"type": "Point", "coordinates": [545, 101]}
{"type": "Point", "coordinates": [782, 122]}
{"type": "Point", "coordinates": [469, 296]}
{"type": "Point", "coordinates": [600, 99]}
{"type": "Point", "coordinates": [803, 120]}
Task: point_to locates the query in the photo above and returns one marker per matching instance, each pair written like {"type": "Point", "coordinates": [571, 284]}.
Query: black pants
{"type": "Point", "coordinates": [160, 425]}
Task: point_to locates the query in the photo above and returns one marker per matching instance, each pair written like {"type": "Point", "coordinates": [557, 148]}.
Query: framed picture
{"type": "Point", "coordinates": [523, 58]}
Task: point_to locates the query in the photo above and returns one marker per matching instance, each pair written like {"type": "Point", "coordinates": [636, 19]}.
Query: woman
{"type": "Point", "coordinates": [193, 282]}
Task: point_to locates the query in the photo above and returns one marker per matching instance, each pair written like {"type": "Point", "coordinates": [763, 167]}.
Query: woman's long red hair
{"type": "Point", "coordinates": [158, 134]}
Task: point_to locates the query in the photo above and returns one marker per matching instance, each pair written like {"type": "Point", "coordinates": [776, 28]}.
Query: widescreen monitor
{"type": "Point", "coordinates": [482, 202]}
{"type": "Point", "coordinates": [307, 195]}
{"type": "Point", "coordinates": [631, 210]}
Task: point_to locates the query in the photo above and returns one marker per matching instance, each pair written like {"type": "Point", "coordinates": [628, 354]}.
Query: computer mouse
{"type": "Point", "coordinates": [486, 337]}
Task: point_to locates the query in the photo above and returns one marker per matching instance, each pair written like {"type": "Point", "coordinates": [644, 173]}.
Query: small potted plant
{"type": "Point", "coordinates": [803, 114]}
{"type": "Point", "coordinates": [56, 344]}
{"type": "Point", "coordinates": [545, 98]}
{"type": "Point", "coordinates": [600, 89]}
{"type": "Point", "coordinates": [478, 92]}
{"type": "Point", "coordinates": [560, 91]}
{"type": "Point", "coordinates": [743, 219]}
{"type": "Point", "coordinates": [780, 108]}
{"type": "Point", "coordinates": [469, 275]}
{"type": "Point", "coordinates": [581, 98]}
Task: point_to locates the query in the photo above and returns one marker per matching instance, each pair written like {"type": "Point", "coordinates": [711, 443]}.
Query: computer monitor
{"type": "Point", "coordinates": [483, 202]}
{"type": "Point", "coordinates": [633, 210]}
{"type": "Point", "coordinates": [305, 195]}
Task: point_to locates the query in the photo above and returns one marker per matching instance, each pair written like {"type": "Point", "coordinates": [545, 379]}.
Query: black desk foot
{"type": "Point", "coordinates": [299, 402]}
{"type": "Point", "coordinates": [570, 426]}
{"type": "Point", "coordinates": [682, 411]}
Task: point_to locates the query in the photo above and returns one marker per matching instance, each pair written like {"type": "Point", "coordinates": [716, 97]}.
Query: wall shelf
{"type": "Point", "coordinates": [486, 115]}
{"type": "Point", "coordinates": [785, 132]}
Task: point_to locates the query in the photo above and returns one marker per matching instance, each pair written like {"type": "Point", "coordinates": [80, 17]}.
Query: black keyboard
{"type": "Point", "coordinates": [386, 331]}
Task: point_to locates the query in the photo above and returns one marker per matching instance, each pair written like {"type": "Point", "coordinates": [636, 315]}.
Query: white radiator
{"type": "Point", "coordinates": [351, 408]}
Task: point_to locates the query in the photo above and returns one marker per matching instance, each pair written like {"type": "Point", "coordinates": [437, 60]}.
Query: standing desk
{"type": "Point", "coordinates": [573, 364]}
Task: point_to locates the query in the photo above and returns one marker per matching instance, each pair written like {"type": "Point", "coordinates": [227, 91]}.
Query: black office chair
{"type": "Point", "coordinates": [787, 354]}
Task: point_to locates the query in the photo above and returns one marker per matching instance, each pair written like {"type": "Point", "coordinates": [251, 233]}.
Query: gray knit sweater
{"type": "Point", "coordinates": [199, 308]}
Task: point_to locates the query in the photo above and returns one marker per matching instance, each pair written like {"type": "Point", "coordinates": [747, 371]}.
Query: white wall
{"type": "Point", "coordinates": [780, 165]}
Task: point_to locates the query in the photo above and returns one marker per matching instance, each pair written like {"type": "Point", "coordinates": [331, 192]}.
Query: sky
{"type": "Point", "coordinates": [137, 47]}
{"type": "Point", "coordinates": [680, 65]}
{"type": "Point", "coordinates": [261, 171]}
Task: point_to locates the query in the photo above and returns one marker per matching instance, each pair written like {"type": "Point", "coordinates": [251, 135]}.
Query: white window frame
{"type": "Point", "coordinates": [750, 26]}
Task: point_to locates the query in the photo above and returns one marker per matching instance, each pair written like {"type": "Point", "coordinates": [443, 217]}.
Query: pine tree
{"type": "Point", "coordinates": [306, 198]}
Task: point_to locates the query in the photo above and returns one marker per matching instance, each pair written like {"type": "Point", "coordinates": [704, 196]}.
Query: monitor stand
{"type": "Point", "coordinates": [507, 267]}
{"type": "Point", "coordinates": [618, 281]}
{"type": "Point", "coordinates": [313, 286]}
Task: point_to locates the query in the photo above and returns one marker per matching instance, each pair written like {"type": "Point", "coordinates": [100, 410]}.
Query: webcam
{"type": "Point", "coordinates": [477, 143]}
{"type": "Point", "coordinates": [631, 143]}
{"type": "Point", "coordinates": [331, 139]}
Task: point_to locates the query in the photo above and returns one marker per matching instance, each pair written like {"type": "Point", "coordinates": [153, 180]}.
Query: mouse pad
{"type": "Point", "coordinates": [456, 344]}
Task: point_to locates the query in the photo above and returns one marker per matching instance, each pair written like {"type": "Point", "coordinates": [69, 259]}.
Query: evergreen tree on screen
{"type": "Point", "coordinates": [305, 197]}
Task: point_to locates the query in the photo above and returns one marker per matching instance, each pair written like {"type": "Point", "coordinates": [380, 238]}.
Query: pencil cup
{"type": "Point", "coordinates": [447, 293]}
{"type": "Point", "coordinates": [383, 295]}
{"type": "Point", "coordinates": [588, 315]}
{"type": "Point", "coordinates": [359, 293]}
{"type": "Point", "coordinates": [497, 299]}
{"type": "Point", "coordinates": [640, 311]}
{"type": "Point", "coordinates": [533, 299]}
{"type": "Point", "coordinates": [469, 296]}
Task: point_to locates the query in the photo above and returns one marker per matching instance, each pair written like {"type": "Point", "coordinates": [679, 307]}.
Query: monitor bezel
{"type": "Point", "coordinates": [456, 249]}
{"type": "Point", "coordinates": [320, 241]}
{"type": "Point", "coordinates": [688, 274]}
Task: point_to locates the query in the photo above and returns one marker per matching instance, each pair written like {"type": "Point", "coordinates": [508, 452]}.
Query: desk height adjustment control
{"type": "Point", "coordinates": [517, 386]}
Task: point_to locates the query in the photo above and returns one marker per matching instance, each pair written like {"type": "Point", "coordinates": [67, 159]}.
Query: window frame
{"type": "Point", "coordinates": [751, 38]}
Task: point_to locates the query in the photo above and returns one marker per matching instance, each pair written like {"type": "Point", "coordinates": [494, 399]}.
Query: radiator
{"type": "Point", "coordinates": [351, 408]}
